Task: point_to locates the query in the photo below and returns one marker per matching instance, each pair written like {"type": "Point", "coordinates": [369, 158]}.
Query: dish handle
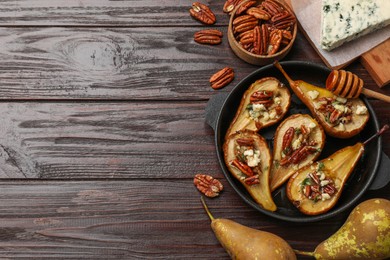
{"type": "Point", "coordinates": [382, 177]}
{"type": "Point", "coordinates": [213, 108]}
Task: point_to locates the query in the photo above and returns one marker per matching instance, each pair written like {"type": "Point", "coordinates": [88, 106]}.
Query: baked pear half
{"type": "Point", "coordinates": [263, 104]}
{"type": "Point", "coordinates": [340, 117]}
{"type": "Point", "coordinates": [298, 141]}
{"type": "Point", "coordinates": [316, 188]}
{"type": "Point", "coordinates": [248, 159]}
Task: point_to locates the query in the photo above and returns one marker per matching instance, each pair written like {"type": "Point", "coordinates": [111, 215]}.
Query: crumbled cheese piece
{"type": "Point", "coordinates": [325, 196]}
{"type": "Point", "coordinates": [313, 94]}
{"type": "Point", "coordinates": [254, 159]}
{"type": "Point", "coordinates": [361, 110]}
{"type": "Point", "coordinates": [258, 107]}
{"type": "Point", "coordinates": [248, 152]}
{"type": "Point", "coordinates": [322, 177]}
{"type": "Point", "coordinates": [312, 125]}
{"type": "Point", "coordinates": [272, 114]}
{"type": "Point", "coordinates": [296, 144]}
{"type": "Point", "coordinates": [341, 126]}
{"type": "Point", "coordinates": [341, 100]}
{"type": "Point", "coordinates": [324, 182]}
{"type": "Point", "coordinates": [277, 100]}
{"type": "Point", "coordinates": [266, 116]}
{"type": "Point", "coordinates": [339, 107]}
{"type": "Point", "coordinates": [343, 21]}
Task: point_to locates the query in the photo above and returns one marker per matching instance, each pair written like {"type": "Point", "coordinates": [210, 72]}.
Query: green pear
{"type": "Point", "coordinates": [246, 243]}
{"type": "Point", "coordinates": [364, 235]}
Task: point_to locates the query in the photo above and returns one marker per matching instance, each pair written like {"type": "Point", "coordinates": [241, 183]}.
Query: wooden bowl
{"type": "Point", "coordinates": [256, 59]}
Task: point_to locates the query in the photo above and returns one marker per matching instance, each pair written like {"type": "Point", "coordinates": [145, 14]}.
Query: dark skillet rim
{"type": "Point", "coordinates": [303, 218]}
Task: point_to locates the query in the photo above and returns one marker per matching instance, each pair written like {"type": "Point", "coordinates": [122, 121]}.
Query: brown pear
{"type": "Point", "coordinates": [298, 141]}
{"type": "Point", "coordinates": [340, 117]}
{"type": "Point", "coordinates": [246, 243]}
{"type": "Point", "coordinates": [263, 104]}
{"type": "Point", "coordinates": [365, 234]}
{"type": "Point", "coordinates": [248, 159]}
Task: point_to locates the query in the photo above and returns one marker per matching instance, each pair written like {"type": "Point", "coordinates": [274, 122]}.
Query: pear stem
{"type": "Point", "coordinates": [279, 67]}
{"type": "Point", "coordinates": [299, 252]}
{"type": "Point", "coordinates": [206, 208]}
{"type": "Point", "coordinates": [381, 131]}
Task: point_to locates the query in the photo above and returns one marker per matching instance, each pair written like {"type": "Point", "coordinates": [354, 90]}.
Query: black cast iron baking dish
{"type": "Point", "coordinates": [221, 110]}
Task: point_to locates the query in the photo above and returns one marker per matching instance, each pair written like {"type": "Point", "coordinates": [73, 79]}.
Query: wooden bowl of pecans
{"type": "Point", "coordinates": [262, 31]}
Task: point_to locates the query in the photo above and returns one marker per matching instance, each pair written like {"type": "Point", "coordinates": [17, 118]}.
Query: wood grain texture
{"type": "Point", "coordinates": [129, 220]}
{"type": "Point", "coordinates": [112, 140]}
{"type": "Point", "coordinates": [105, 140]}
{"type": "Point", "coordinates": [102, 13]}
{"type": "Point", "coordinates": [118, 64]}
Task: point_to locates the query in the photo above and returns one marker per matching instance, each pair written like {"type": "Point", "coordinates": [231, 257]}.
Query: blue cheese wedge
{"type": "Point", "coordinates": [346, 20]}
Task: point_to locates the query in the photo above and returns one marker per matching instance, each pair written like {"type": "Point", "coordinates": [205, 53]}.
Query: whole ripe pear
{"type": "Point", "coordinates": [364, 235]}
{"type": "Point", "coordinates": [246, 243]}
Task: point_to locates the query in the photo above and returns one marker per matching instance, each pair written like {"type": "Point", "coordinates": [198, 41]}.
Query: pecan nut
{"type": "Point", "coordinates": [245, 141]}
{"type": "Point", "coordinates": [264, 29]}
{"type": "Point", "coordinates": [229, 5]}
{"type": "Point", "coordinates": [243, 167]}
{"type": "Point", "coordinates": [202, 13]}
{"type": "Point", "coordinates": [287, 140]}
{"type": "Point", "coordinates": [245, 6]}
{"type": "Point", "coordinates": [259, 13]}
{"type": "Point", "coordinates": [206, 184]}
{"type": "Point", "coordinates": [222, 78]}
{"type": "Point", "coordinates": [208, 36]}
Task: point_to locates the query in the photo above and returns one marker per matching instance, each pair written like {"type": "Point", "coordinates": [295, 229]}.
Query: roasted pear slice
{"type": "Point", "coordinates": [316, 188]}
{"type": "Point", "coordinates": [340, 117]}
{"type": "Point", "coordinates": [263, 104]}
{"type": "Point", "coordinates": [298, 141]}
{"type": "Point", "coordinates": [248, 158]}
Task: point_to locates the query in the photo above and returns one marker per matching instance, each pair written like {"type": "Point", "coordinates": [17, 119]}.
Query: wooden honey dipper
{"type": "Point", "coordinates": [346, 84]}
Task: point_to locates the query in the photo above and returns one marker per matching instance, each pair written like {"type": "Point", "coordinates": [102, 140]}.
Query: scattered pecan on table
{"type": "Point", "coordinates": [208, 36]}
{"type": "Point", "coordinates": [207, 185]}
{"type": "Point", "coordinates": [222, 78]}
{"type": "Point", "coordinates": [202, 13]}
{"type": "Point", "coordinates": [264, 29]}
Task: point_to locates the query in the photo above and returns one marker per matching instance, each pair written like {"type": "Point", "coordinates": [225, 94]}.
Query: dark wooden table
{"type": "Point", "coordinates": [103, 129]}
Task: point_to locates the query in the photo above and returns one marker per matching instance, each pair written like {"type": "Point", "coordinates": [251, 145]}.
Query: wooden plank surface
{"type": "Point", "coordinates": [128, 220]}
{"type": "Point", "coordinates": [105, 140]}
{"type": "Point", "coordinates": [112, 140]}
{"type": "Point", "coordinates": [102, 130]}
{"type": "Point", "coordinates": [110, 63]}
{"type": "Point", "coordinates": [101, 13]}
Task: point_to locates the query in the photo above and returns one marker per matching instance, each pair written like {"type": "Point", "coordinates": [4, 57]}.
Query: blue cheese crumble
{"type": "Point", "coordinates": [343, 21]}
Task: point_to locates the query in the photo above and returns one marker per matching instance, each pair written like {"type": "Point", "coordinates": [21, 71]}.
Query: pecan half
{"type": "Point", "coordinates": [283, 20]}
{"type": "Point", "coordinates": [245, 6]}
{"type": "Point", "coordinates": [202, 13]}
{"type": "Point", "coordinates": [244, 168]}
{"type": "Point", "coordinates": [259, 13]}
{"type": "Point", "coordinates": [287, 140]}
{"type": "Point", "coordinates": [272, 7]}
{"type": "Point", "coordinates": [230, 5]}
{"type": "Point", "coordinates": [222, 78]}
{"type": "Point", "coordinates": [245, 141]}
{"type": "Point", "coordinates": [244, 23]}
{"type": "Point", "coordinates": [206, 184]}
{"type": "Point", "coordinates": [208, 36]}
{"type": "Point", "coordinates": [275, 41]}
{"type": "Point", "coordinates": [252, 180]}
